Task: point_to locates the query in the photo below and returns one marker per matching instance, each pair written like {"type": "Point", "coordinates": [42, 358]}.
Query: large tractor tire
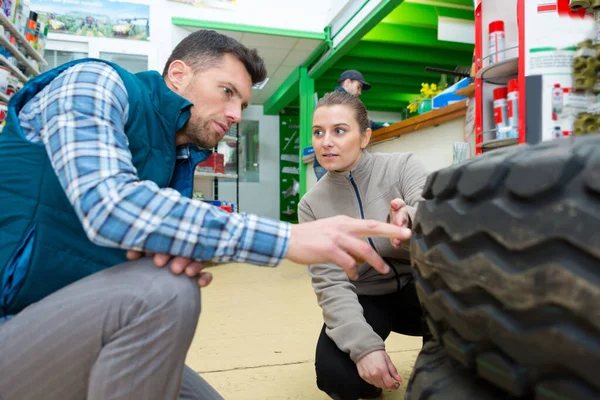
{"type": "Point", "coordinates": [506, 257]}
{"type": "Point", "coordinates": [436, 376]}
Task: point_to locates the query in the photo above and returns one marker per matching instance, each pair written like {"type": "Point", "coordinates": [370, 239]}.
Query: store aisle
{"type": "Point", "coordinates": [257, 335]}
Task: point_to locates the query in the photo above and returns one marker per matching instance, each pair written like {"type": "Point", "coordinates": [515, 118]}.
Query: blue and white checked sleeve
{"type": "Point", "coordinates": [79, 118]}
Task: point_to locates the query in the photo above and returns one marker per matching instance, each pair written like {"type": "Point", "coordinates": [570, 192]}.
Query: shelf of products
{"type": "Point", "coordinates": [229, 138]}
{"type": "Point", "coordinates": [6, 43]}
{"type": "Point", "coordinates": [501, 72]}
{"type": "Point", "coordinates": [13, 70]}
{"type": "Point", "coordinates": [215, 175]}
{"type": "Point", "coordinates": [19, 36]}
{"type": "Point", "coordinates": [497, 143]}
{"type": "Point", "coordinates": [211, 171]}
{"type": "Point", "coordinates": [4, 97]}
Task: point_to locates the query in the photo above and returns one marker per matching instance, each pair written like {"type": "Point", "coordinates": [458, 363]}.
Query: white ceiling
{"type": "Point", "coordinates": [281, 54]}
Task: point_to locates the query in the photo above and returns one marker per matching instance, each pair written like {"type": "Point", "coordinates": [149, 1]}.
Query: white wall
{"type": "Point", "coordinates": [261, 198]}
{"type": "Point", "coordinates": [382, 116]}
{"type": "Point", "coordinates": [432, 146]}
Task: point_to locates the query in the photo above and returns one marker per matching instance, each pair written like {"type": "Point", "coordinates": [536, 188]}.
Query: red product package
{"type": "Point", "coordinates": [215, 161]}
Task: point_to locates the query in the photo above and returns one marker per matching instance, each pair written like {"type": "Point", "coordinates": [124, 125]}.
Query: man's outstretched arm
{"type": "Point", "coordinates": [80, 120]}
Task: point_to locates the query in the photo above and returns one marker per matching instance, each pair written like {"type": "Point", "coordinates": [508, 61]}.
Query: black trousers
{"type": "Point", "coordinates": [400, 312]}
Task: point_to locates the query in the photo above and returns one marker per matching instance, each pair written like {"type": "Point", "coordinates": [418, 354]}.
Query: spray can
{"type": "Point", "coordinates": [496, 41]}
{"type": "Point", "coordinates": [500, 111]}
{"type": "Point", "coordinates": [513, 106]}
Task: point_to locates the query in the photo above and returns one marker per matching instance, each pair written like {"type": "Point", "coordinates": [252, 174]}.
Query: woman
{"type": "Point", "coordinates": [351, 361]}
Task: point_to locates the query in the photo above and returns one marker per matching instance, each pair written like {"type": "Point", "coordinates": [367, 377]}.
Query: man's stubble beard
{"type": "Point", "coordinates": [201, 134]}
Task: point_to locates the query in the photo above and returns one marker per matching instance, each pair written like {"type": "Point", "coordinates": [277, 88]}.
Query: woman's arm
{"type": "Point", "coordinates": [342, 313]}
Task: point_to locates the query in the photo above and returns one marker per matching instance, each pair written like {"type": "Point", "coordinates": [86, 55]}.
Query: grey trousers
{"type": "Point", "coordinates": [122, 333]}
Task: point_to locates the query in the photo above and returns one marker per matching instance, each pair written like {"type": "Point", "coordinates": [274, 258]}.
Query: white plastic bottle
{"type": "Point", "coordinates": [496, 41]}
{"type": "Point", "coordinates": [557, 101]}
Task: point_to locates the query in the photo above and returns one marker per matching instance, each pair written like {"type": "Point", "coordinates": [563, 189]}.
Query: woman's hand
{"type": "Point", "coordinates": [378, 369]}
{"type": "Point", "coordinates": [398, 216]}
{"type": "Point", "coordinates": [192, 268]}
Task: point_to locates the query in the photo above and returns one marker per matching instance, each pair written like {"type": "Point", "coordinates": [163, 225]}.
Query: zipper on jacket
{"type": "Point", "coordinates": [362, 216]}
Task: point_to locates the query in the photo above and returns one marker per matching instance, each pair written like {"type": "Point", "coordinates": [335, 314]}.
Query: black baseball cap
{"type": "Point", "coordinates": [354, 75]}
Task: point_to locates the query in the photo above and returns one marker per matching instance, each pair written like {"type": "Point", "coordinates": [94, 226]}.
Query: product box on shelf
{"type": "Point", "coordinates": [216, 162]}
{"type": "Point", "coordinates": [449, 95]}
{"type": "Point", "coordinates": [223, 205]}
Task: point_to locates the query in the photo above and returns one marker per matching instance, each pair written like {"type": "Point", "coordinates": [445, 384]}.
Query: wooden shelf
{"type": "Point", "coordinates": [21, 38]}
{"type": "Point", "coordinates": [431, 118]}
{"type": "Point", "coordinates": [6, 43]}
{"type": "Point", "coordinates": [215, 175]}
{"type": "Point", "coordinates": [14, 70]}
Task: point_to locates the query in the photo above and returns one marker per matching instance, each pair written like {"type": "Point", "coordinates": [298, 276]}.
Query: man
{"type": "Point", "coordinates": [97, 166]}
{"type": "Point", "coordinates": [350, 81]}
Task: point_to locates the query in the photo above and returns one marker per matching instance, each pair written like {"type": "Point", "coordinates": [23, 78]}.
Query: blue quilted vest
{"type": "Point", "coordinates": [42, 243]}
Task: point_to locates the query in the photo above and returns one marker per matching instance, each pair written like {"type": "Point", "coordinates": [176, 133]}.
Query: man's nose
{"type": "Point", "coordinates": [233, 114]}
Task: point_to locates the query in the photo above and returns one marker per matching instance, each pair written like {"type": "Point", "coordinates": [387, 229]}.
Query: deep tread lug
{"type": "Point", "coordinates": [445, 182]}
{"type": "Point", "coordinates": [428, 189]}
{"type": "Point", "coordinates": [481, 178]}
{"type": "Point", "coordinates": [564, 389]}
{"type": "Point", "coordinates": [591, 175]}
{"type": "Point", "coordinates": [434, 328]}
{"type": "Point", "coordinates": [503, 373]}
{"type": "Point", "coordinates": [461, 350]}
{"type": "Point", "coordinates": [536, 175]}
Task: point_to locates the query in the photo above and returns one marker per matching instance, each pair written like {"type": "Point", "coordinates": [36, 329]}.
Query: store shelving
{"type": "Point", "coordinates": [215, 175]}
{"type": "Point", "coordinates": [19, 36]}
{"type": "Point", "coordinates": [4, 97]}
{"type": "Point", "coordinates": [6, 43]}
{"type": "Point", "coordinates": [490, 76]}
{"type": "Point", "coordinates": [13, 70]}
{"type": "Point", "coordinates": [497, 143]}
{"type": "Point", "coordinates": [207, 182]}
{"type": "Point", "coordinates": [501, 72]}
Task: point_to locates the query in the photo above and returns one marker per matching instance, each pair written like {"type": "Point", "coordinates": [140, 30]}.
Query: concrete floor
{"type": "Point", "coordinates": [257, 335]}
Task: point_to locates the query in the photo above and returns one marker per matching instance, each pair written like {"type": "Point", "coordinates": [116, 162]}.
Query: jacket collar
{"type": "Point", "coordinates": [361, 171]}
{"type": "Point", "coordinates": [174, 108]}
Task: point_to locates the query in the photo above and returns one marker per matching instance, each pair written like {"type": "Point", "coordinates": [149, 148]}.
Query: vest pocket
{"type": "Point", "coordinates": [16, 269]}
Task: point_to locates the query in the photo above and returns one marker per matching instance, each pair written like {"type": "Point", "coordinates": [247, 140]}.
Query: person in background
{"type": "Point", "coordinates": [351, 361]}
{"type": "Point", "coordinates": [97, 168]}
{"type": "Point", "coordinates": [351, 81]}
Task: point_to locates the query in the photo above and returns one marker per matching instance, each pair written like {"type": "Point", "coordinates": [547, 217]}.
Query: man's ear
{"type": "Point", "coordinates": [366, 138]}
{"type": "Point", "coordinates": [178, 75]}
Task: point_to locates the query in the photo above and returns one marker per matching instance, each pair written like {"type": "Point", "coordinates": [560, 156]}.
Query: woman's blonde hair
{"type": "Point", "coordinates": [346, 99]}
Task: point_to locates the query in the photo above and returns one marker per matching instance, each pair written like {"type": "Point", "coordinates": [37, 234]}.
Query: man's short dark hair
{"type": "Point", "coordinates": [204, 49]}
